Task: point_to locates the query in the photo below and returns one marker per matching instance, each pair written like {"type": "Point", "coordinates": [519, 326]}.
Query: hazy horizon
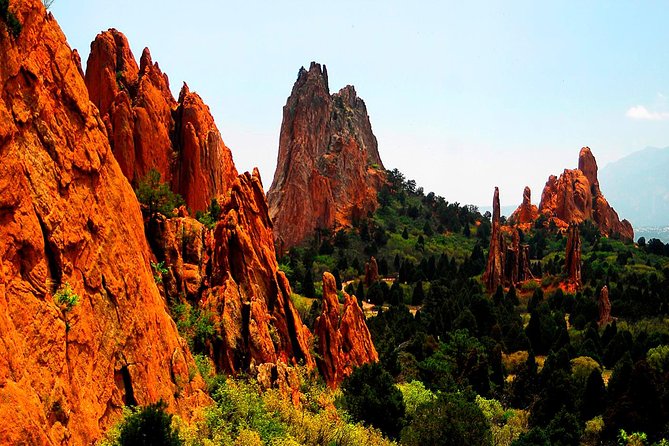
{"type": "Point", "coordinates": [462, 97]}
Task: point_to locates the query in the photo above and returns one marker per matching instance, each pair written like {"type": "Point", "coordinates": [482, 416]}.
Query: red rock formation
{"type": "Point", "coordinates": [604, 305]}
{"type": "Point", "coordinates": [526, 213]}
{"type": "Point", "coordinates": [344, 341]}
{"type": "Point", "coordinates": [329, 170]}
{"type": "Point", "coordinates": [494, 271]}
{"type": "Point", "coordinates": [371, 272]}
{"type": "Point", "coordinates": [524, 271]}
{"type": "Point", "coordinates": [232, 272]}
{"type": "Point", "coordinates": [148, 129]}
{"type": "Point", "coordinates": [573, 256]}
{"type": "Point", "coordinates": [68, 215]}
{"type": "Point", "coordinates": [575, 197]}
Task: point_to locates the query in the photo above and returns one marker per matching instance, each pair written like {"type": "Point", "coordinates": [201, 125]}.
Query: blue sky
{"type": "Point", "coordinates": [463, 96]}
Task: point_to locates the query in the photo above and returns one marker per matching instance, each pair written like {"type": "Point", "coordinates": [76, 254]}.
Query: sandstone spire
{"type": "Point", "coordinates": [494, 272]}
{"type": "Point", "coordinates": [328, 170]}
{"type": "Point", "coordinates": [344, 341]}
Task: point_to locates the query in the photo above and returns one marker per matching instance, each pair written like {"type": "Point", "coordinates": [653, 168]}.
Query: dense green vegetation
{"type": "Point", "coordinates": [523, 366]}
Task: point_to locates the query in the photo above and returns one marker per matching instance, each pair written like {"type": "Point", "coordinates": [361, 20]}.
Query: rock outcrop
{"type": "Point", "coordinates": [148, 129]}
{"type": "Point", "coordinates": [231, 272]}
{"type": "Point", "coordinates": [329, 170]}
{"type": "Point", "coordinates": [371, 272]}
{"type": "Point", "coordinates": [575, 197]}
{"type": "Point", "coordinates": [604, 305]}
{"type": "Point", "coordinates": [494, 271]}
{"type": "Point", "coordinates": [527, 212]}
{"type": "Point", "coordinates": [69, 216]}
{"type": "Point", "coordinates": [572, 257]}
{"type": "Point", "coordinates": [344, 341]}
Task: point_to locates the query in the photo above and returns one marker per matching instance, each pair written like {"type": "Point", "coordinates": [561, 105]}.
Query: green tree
{"type": "Point", "coordinates": [150, 426]}
{"type": "Point", "coordinates": [370, 396]}
{"type": "Point", "coordinates": [156, 196]}
{"type": "Point", "coordinates": [448, 420]}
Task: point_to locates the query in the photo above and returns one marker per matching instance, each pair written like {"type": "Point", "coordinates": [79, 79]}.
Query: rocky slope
{"type": "Point", "coordinates": [148, 128]}
{"type": "Point", "coordinates": [232, 272]}
{"type": "Point", "coordinates": [69, 216]}
{"type": "Point", "coordinates": [344, 341]}
{"type": "Point", "coordinates": [328, 169]}
{"type": "Point", "coordinates": [575, 196]}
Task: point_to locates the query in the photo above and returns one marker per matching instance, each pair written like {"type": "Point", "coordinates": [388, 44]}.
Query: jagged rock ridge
{"type": "Point", "coordinates": [148, 129]}
{"type": "Point", "coordinates": [68, 215]}
{"type": "Point", "coordinates": [329, 169]}
{"type": "Point", "coordinates": [231, 271]}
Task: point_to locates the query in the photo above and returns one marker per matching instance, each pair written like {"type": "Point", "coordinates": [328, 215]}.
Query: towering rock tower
{"type": "Point", "coordinates": [329, 169]}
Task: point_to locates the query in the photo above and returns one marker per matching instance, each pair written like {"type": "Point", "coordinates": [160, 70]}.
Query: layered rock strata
{"type": "Point", "coordinates": [329, 170]}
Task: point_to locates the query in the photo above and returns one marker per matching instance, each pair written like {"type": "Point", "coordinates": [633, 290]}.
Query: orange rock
{"type": "Point", "coordinates": [575, 197]}
{"type": "Point", "coordinates": [344, 341]}
{"type": "Point", "coordinates": [232, 272]}
{"type": "Point", "coordinates": [526, 213]}
{"type": "Point", "coordinates": [68, 215]}
{"type": "Point", "coordinates": [329, 170]}
{"type": "Point", "coordinates": [148, 129]}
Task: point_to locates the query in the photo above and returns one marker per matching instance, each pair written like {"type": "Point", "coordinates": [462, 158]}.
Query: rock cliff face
{"type": "Point", "coordinates": [527, 212]}
{"type": "Point", "coordinates": [604, 306]}
{"type": "Point", "coordinates": [494, 271]}
{"type": "Point", "coordinates": [328, 170]}
{"type": "Point", "coordinates": [232, 272]}
{"type": "Point", "coordinates": [575, 196]}
{"type": "Point", "coordinates": [69, 216]}
{"type": "Point", "coordinates": [148, 129]}
{"type": "Point", "coordinates": [344, 341]}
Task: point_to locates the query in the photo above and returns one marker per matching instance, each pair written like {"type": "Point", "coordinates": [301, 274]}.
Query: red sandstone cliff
{"type": "Point", "coordinates": [572, 256]}
{"type": "Point", "coordinates": [328, 170]}
{"type": "Point", "coordinates": [575, 196]}
{"type": "Point", "coordinates": [68, 215]}
{"type": "Point", "coordinates": [232, 272]}
{"type": "Point", "coordinates": [344, 341]}
{"type": "Point", "coordinates": [148, 129]}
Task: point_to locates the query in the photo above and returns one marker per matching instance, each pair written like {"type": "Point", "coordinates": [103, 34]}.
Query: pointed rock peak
{"type": "Point", "coordinates": [185, 91]}
{"type": "Point", "coordinates": [527, 196]}
{"type": "Point", "coordinates": [348, 95]}
{"type": "Point", "coordinates": [316, 75]}
{"type": "Point", "coordinates": [588, 165]}
{"type": "Point", "coordinates": [256, 175]}
{"type": "Point", "coordinates": [145, 61]}
{"type": "Point", "coordinates": [495, 205]}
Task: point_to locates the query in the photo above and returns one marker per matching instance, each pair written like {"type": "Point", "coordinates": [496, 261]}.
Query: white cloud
{"type": "Point", "coordinates": [641, 112]}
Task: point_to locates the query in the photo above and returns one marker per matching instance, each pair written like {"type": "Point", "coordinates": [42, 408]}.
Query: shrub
{"type": "Point", "coordinates": [149, 426]}
{"type": "Point", "coordinates": [66, 299]}
{"type": "Point", "coordinates": [448, 420]}
{"type": "Point", "coordinates": [156, 196]}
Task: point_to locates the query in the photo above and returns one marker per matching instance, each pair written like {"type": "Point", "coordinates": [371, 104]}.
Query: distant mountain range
{"type": "Point", "coordinates": [637, 186]}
